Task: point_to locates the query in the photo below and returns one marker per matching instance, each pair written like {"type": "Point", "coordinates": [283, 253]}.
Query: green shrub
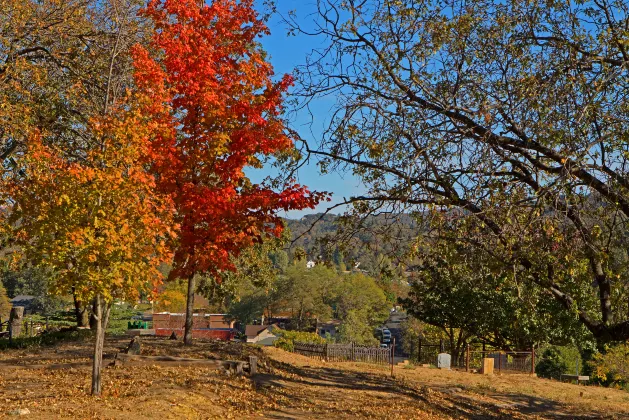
{"type": "Point", "coordinates": [286, 340]}
{"type": "Point", "coordinates": [121, 315]}
{"type": "Point", "coordinates": [45, 339]}
{"type": "Point", "coordinates": [551, 365]}
{"type": "Point", "coordinates": [612, 367]}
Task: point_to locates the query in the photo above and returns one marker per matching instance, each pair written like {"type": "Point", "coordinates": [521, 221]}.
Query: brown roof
{"type": "Point", "coordinates": [255, 330]}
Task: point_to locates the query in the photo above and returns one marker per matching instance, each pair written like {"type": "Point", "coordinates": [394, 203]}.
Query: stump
{"type": "Point", "coordinates": [253, 365]}
{"type": "Point", "coordinates": [16, 319]}
{"type": "Point", "coordinates": [134, 346]}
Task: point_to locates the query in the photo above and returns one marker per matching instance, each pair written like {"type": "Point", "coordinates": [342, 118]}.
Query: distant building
{"type": "Point", "coordinates": [216, 326]}
{"type": "Point", "coordinates": [261, 334]}
{"type": "Point", "coordinates": [310, 264]}
{"type": "Point", "coordinates": [328, 328]}
{"type": "Point", "coordinates": [287, 321]}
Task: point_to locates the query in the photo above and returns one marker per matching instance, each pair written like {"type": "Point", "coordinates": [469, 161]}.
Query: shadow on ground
{"type": "Point", "coordinates": [452, 402]}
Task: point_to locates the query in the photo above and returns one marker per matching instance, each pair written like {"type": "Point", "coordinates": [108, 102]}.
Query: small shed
{"type": "Point", "coordinates": [261, 334]}
{"type": "Point", "coordinates": [328, 328]}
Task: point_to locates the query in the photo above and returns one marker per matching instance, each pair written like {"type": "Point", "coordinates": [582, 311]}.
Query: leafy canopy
{"type": "Point", "coordinates": [98, 224]}
{"type": "Point", "coordinates": [215, 111]}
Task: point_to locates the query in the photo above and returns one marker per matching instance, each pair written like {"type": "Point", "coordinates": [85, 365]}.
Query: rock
{"type": "Point", "coordinates": [19, 412]}
{"type": "Point", "coordinates": [134, 346]}
{"type": "Point", "coordinates": [452, 391]}
{"type": "Point", "coordinates": [173, 336]}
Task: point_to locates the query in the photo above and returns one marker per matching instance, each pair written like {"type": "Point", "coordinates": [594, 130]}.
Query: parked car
{"type": "Point", "coordinates": [384, 335]}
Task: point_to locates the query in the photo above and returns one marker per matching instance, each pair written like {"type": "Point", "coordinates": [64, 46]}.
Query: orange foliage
{"type": "Point", "coordinates": [215, 111]}
{"type": "Point", "coordinates": [96, 220]}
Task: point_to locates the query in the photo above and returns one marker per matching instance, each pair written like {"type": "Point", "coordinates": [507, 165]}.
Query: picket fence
{"type": "Point", "coordinates": [344, 352]}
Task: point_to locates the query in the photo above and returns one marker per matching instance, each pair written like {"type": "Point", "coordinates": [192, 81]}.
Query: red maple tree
{"type": "Point", "coordinates": [216, 110]}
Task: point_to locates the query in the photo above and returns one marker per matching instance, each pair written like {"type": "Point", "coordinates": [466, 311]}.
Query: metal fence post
{"type": "Point", "coordinates": [392, 356]}
{"type": "Point", "coordinates": [467, 359]}
{"type": "Point", "coordinates": [441, 347]}
{"type": "Point", "coordinates": [327, 353]}
{"type": "Point", "coordinates": [419, 351]}
{"type": "Point", "coordinates": [499, 360]}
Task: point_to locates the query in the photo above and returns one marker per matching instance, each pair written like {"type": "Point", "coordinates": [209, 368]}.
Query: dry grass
{"type": "Point", "coordinates": [53, 382]}
{"type": "Point", "coordinates": [525, 393]}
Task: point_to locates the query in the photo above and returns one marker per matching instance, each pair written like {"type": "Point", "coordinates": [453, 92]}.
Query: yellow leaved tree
{"type": "Point", "coordinates": [97, 221]}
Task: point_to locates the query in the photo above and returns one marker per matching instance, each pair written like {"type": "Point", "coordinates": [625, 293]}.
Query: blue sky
{"type": "Point", "coordinates": [286, 53]}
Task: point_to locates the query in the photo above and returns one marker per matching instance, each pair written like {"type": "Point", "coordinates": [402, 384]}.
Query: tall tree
{"type": "Point", "coordinates": [217, 111]}
{"type": "Point", "coordinates": [62, 63]}
{"type": "Point", "coordinates": [510, 117]}
{"type": "Point", "coordinates": [98, 225]}
{"type": "Point", "coordinates": [466, 295]}
{"type": "Point", "coordinates": [307, 293]}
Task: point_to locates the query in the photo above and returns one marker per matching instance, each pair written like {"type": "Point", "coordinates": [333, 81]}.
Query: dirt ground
{"type": "Point", "coordinates": [53, 382]}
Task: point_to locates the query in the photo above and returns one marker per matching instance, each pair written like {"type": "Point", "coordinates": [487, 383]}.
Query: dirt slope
{"type": "Point", "coordinates": [53, 383]}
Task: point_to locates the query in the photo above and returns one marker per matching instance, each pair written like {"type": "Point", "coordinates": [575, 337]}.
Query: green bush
{"type": "Point", "coordinates": [45, 339]}
{"type": "Point", "coordinates": [120, 316]}
{"type": "Point", "coordinates": [286, 340]}
{"type": "Point", "coordinates": [552, 364]}
{"type": "Point", "coordinates": [612, 367]}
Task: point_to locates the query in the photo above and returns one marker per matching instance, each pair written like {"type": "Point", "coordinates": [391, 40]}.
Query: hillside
{"type": "Point", "coordinates": [341, 240]}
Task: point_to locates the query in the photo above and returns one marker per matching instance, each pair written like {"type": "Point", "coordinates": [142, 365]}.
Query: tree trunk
{"type": "Point", "coordinates": [101, 316]}
{"type": "Point", "coordinates": [187, 337]}
{"type": "Point", "coordinates": [93, 318]}
{"type": "Point", "coordinates": [80, 312]}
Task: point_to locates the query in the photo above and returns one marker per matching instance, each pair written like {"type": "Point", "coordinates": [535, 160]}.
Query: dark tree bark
{"type": "Point", "coordinates": [187, 337]}
{"type": "Point", "coordinates": [81, 313]}
{"type": "Point", "coordinates": [93, 319]}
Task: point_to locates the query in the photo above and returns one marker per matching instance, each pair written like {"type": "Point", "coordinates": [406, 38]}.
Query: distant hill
{"type": "Point", "coordinates": [331, 238]}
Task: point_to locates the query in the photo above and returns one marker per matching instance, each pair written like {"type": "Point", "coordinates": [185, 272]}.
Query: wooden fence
{"type": "Point", "coordinates": [344, 353]}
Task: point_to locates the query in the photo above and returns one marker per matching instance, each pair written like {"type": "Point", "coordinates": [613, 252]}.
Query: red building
{"type": "Point", "coordinates": [216, 326]}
